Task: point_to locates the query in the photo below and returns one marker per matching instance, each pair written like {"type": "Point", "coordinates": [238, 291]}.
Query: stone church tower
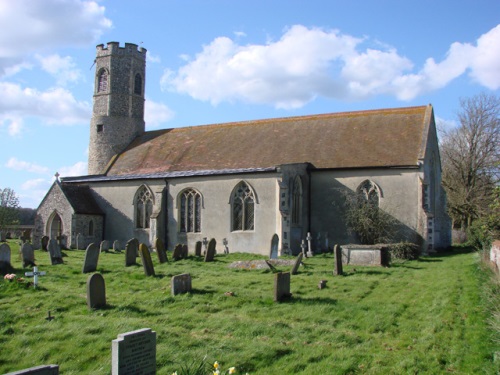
{"type": "Point", "coordinates": [118, 113]}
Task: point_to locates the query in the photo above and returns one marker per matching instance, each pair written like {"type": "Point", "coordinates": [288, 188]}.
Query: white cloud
{"type": "Point", "coordinates": [34, 26]}
{"type": "Point", "coordinates": [77, 169]}
{"type": "Point", "coordinates": [35, 184]}
{"type": "Point", "coordinates": [20, 165]}
{"type": "Point", "coordinates": [155, 114]}
{"type": "Point", "coordinates": [309, 62]}
{"type": "Point", "coordinates": [63, 68]}
{"type": "Point", "coordinates": [54, 106]}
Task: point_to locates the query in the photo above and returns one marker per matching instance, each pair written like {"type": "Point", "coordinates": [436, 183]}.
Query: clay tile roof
{"type": "Point", "coordinates": [81, 199]}
{"type": "Point", "coordinates": [375, 138]}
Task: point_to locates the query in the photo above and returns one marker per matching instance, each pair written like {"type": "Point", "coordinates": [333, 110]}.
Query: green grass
{"type": "Point", "coordinates": [424, 317]}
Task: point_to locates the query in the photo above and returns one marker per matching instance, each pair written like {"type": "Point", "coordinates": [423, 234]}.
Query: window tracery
{"type": "Point", "coordinates": [243, 207]}
{"type": "Point", "coordinates": [190, 211]}
{"type": "Point", "coordinates": [143, 207]}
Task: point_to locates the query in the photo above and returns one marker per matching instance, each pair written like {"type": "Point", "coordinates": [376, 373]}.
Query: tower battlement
{"type": "Point", "coordinates": [113, 48]}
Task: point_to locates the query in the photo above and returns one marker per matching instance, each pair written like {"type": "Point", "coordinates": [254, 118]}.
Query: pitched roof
{"type": "Point", "coordinates": [375, 138]}
{"type": "Point", "coordinates": [81, 199]}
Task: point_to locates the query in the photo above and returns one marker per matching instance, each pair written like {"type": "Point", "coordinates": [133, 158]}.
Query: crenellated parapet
{"type": "Point", "coordinates": [113, 48]}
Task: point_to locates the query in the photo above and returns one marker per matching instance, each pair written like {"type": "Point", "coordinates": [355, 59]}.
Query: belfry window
{"type": "Point", "coordinates": [243, 207]}
{"type": "Point", "coordinates": [190, 211]}
{"type": "Point", "coordinates": [143, 207]}
{"type": "Point", "coordinates": [138, 84]}
{"type": "Point", "coordinates": [102, 84]}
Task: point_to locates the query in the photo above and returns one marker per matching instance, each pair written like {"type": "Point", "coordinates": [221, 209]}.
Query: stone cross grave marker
{"type": "Point", "coordinates": [275, 240]}
{"type": "Point", "coordinates": [181, 284]}
{"type": "Point", "coordinates": [338, 260]}
{"type": "Point", "coordinates": [281, 286]}
{"type": "Point", "coordinates": [91, 258]}
{"type": "Point", "coordinates": [309, 245]}
{"type": "Point", "coordinates": [197, 249]}
{"type": "Point", "coordinates": [45, 243]}
{"type": "Point", "coordinates": [210, 254]}
{"type": "Point", "coordinates": [226, 248]}
{"type": "Point", "coordinates": [38, 370]}
{"type": "Point", "coordinates": [303, 246]}
{"type": "Point", "coordinates": [116, 246]}
{"type": "Point", "coordinates": [296, 265]}
{"type": "Point", "coordinates": [205, 245]}
{"type": "Point", "coordinates": [35, 275]}
{"type": "Point", "coordinates": [96, 291]}
{"type": "Point", "coordinates": [104, 247]}
{"type": "Point", "coordinates": [54, 252]}
{"type": "Point", "coordinates": [27, 255]}
{"type": "Point", "coordinates": [134, 353]}
{"type": "Point", "coordinates": [160, 251]}
{"type": "Point", "coordinates": [185, 251]}
{"type": "Point", "coordinates": [177, 254]}
{"type": "Point", "coordinates": [147, 263]}
{"type": "Point", "coordinates": [5, 253]}
{"type": "Point", "coordinates": [131, 250]}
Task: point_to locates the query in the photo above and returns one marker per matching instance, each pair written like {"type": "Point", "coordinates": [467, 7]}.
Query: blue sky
{"type": "Point", "coordinates": [213, 61]}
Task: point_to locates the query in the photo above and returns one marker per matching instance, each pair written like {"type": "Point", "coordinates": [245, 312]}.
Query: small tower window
{"type": "Point", "coordinates": [100, 128]}
{"type": "Point", "coordinates": [102, 84]}
{"type": "Point", "coordinates": [138, 84]}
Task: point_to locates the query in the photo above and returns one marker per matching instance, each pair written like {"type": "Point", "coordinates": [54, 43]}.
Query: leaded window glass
{"type": "Point", "coordinates": [243, 208]}
{"type": "Point", "coordinates": [370, 192]}
{"type": "Point", "coordinates": [143, 207]}
{"type": "Point", "coordinates": [190, 211]}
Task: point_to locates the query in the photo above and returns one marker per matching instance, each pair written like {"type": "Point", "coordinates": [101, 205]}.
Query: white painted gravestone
{"type": "Point", "coordinates": [35, 275]}
{"type": "Point", "coordinates": [134, 353]}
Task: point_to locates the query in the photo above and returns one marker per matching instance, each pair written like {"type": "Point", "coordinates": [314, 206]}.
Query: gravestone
{"type": "Point", "coordinates": [197, 249]}
{"type": "Point", "coordinates": [91, 258]}
{"type": "Point", "coordinates": [116, 246]}
{"type": "Point", "coordinates": [295, 267]}
{"type": "Point", "coordinates": [79, 241]}
{"type": "Point", "coordinates": [5, 253]}
{"type": "Point", "coordinates": [35, 273]}
{"type": "Point", "coordinates": [226, 248]}
{"type": "Point", "coordinates": [177, 254]}
{"type": "Point", "coordinates": [96, 291]}
{"type": "Point", "coordinates": [210, 254]}
{"type": "Point", "coordinates": [134, 353]}
{"type": "Point", "coordinates": [54, 252]}
{"type": "Point", "coordinates": [281, 286]}
{"type": "Point", "coordinates": [309, 238]}
{"type": "Point", "coordinates": [160, 251]}
{"type": "Point", "coordinates": [338, 260]}
{"type": "Point", "coordinates": [181, 284]}
{"type": "Point", "coordinates": [26, 236]}
{"type": "Point", "coordinates": [27, 255]}
{"type": "Point", "coordinates": [275, 240]}
{"type": "Point", "coordinates": [185, 251]}
{"type": "Point", "coordinates": [303, 246]}
{"type": "Point", "coordinates": [131, 250]}
{"type": "Point", "coordinates": [45, 243]}
{"type": "Point", "coordinates": [104, 247]}
{"type": "Point", "coordinates": [3, 236]}
{"type": "Point", "coordinates": [147, 263]}
{"type": "Point", "coordinates": [38, 370]}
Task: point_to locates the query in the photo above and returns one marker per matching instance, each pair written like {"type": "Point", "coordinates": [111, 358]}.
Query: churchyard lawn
{"type": "Point", "coordinates": [423, 316]}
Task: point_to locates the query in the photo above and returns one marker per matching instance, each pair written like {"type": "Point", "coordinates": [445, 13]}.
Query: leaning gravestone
{"type": "Point", "coordinates": [38, 370]}
{"type": "Point", "coordinates": [160, 251]}
{"type": "Point", "coordinates": [147, 263]}
{"type": "Point", "coordinates": [197, 249]}
{"type": "Point", "coordinates": [5, 253]}
{"type": "Point", "coordinates": [91, 258]}
{"type": "Point", "coordinates": [96, 291]}
{"type": "Point", "coordinates": [281, 286]}
{"type": "Point", "coordinates": [295, 268]}
{"type": "Point", "coordinates": [181, 284]}
{"type": "Point", "coordinates": [185, 251]}
{"type": "Point", "coordinates": [54, 252]}
{"type": "Point", "coordinates": [177, 254]}
{"type": "Point", "coordinates": [274, 247]}
{"type": "Point", "coordinates": [338, 260]}
{"type": "Point", "coordinates": [104, 247]}
{"type": "Point", "coordinates": [28, 255]}
{"type": "Point", "coordinates": [210, 254]}
{"type": "Point", "coordinates": [131, 250]}
{"type": "Point", "coordinates": [45, 243]}
{"type": "Point", "coordinates": [116, 246]}
{"type": "Point", "coordinates": [134, 353]}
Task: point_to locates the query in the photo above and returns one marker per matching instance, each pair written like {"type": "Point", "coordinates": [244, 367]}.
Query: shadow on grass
{"type": "Point", "coordinates": [308, 301]}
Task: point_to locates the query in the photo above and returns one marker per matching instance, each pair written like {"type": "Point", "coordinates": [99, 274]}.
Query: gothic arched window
{"type": "Point", "coordinates": [370, 192]}
{"type": "Point", "coordinates": [297, 201]}
{"type": "Point", "coordinates": [243, 207]}
{"type": "Point", "coordinates": [102, 82]}
{"type": "Point", "coordinates": [138, 84]}
{"type": "Point", "coordinates": [143, 207]}
{"type": "Point", "coordinates": [190, 211]}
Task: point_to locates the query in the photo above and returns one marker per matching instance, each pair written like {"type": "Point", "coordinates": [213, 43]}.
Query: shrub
{"type": "Point", "coordinates": [403, 251]}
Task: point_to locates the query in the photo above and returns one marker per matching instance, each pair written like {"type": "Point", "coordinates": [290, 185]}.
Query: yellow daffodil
{"type": "Point", "coordinates": [216, 365]}
{"type": "Point", "coordinates": [232, 370]}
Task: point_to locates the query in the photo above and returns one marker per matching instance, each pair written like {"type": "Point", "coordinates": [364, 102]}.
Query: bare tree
{"type": "Point", "coordinates": [470, 157]}
{"type": "Point", "coordinates": [9, 204]}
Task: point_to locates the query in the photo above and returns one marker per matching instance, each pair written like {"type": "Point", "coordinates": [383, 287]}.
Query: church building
{"type": "Point", "coordinates": [242, 183]}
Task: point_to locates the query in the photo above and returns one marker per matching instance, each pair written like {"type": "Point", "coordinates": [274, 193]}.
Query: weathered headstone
{"type": "Point", "coordinates": [91, 258]}
{"type": "Point", "coordinates": [147, 263]}
{"type": "Point", "coordinates": [281, 286]}
{"type": "Point", "coordinates": [185, 251]}
{"type": "Point", "coordinates": [45, 243]}
{"type": "Point", "coordinates": [177, 254]}
{"type": "Point", "coordinates": [210, 254]}
{"type": "Point", "coordinates": [296, 266]}
{"type": "Point", "coordinates": [226, 248]}
{"type": "Point", "coordinates": [338, 260]}
{"type": "Point", "coordinates": [54, 252]}
{"type": "Point", "coordinates": [181, 284]}
{"type": "Point", "coordinates": [160, 251]}
{"type": "Point", "coordinates": [79, 241]}
{"type": "Point", "coordinates": [104, 247]}
{"type": "Point", "coordinates": [116, 246]}
{"type": "Point", "coordinates": [131, 250]}
{"type": "Point", "coordinates": [275, 240]}
{"type": "Point", "coordinates": [134, 353]}
{"type": "Point", "coordinates": [96, 291]}
{"type": "Point", "coordinates": [197, 249]}
{"type": "Point", "coordinates": [5, 253]}
{"type": "Point", "coordinates": [38, 370]}
{"type": "Point", "coordinates": [27, 255]}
